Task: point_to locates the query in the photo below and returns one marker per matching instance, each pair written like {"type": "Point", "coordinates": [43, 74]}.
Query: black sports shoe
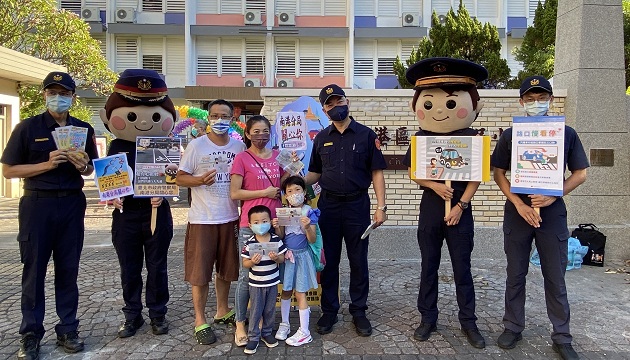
{"type": "Point", "coordinates": [159, 326]}
{"type": "Point", "coordinates": [474, 338]}
{"type": "Point", "coordinates": [325, 323]}
{"type": "Point", "coordinates": [129, 327]}
{"type": "Point", "coordinates": [423, 332]}
{"type": "Point", "coordinates": [269, 340]}
{"type": "Point", "coordinates": [29, 350]}
{"type": "Point", "coordinates": [71, 342]}
{"type": "Point", "coordinates": [566, 351]}
{"type": "Point", "coordinates": [362, 325]}
{"type": "Point", "coordinates": [508, 339]}
{"type": "Point", "coordinates": [251, 347]}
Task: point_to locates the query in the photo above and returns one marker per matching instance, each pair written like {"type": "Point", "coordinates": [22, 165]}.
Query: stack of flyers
{"type": "Point", "coordinates": [219, 162]}
{"type": "Point", "coordinates": [70, 137]}
{"type": "Point", "coordinates": [285, 160]}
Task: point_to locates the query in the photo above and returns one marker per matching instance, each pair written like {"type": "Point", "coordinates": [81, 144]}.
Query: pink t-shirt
{"type": "Point", "coordinates": [255, 179]}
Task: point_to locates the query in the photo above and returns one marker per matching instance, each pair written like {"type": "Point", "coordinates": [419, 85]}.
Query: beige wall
{"type": "Point", "coordinates": [9, 98]}
{"type": "Point", "coordinates": [390, 108]}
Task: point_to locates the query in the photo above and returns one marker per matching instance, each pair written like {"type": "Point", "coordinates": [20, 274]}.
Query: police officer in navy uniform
{"type": "Point", "coordinates": [522, 224]}
{"type": "Point", "coordinates": [51, 213]}
{"type": "Point", "coordinates": [140, 106]}
{"type": "Point", "coordinates": [346, 158]}
{"type": "Point", "coordinates": [446, 103]}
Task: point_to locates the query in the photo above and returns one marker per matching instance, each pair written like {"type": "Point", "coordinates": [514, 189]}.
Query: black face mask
{"type": "Point", "coordinates": [260, 140]}
{"type": "Point", "coordinates": [338, 113]}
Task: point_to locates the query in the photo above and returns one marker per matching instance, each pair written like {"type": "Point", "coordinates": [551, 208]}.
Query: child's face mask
{"type": "Point", "coordinates": [295, 199]}
{"type": "Point", "coordinates": [260, 229]}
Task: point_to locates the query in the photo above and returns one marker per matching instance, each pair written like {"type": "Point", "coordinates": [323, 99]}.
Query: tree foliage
{"type": "Point", "coordinates": [537, 52]}
{"type": "Point", "coordinates": [39, 29]}
{"type": "Point", "coordinates": [460, 37]}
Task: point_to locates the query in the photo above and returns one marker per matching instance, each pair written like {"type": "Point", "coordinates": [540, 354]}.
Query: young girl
{"type": "Point", "coordinates": [299, 269]}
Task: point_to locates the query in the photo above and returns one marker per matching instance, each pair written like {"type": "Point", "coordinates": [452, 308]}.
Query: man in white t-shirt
{"type": "Point", "coordinates": [212, 232]}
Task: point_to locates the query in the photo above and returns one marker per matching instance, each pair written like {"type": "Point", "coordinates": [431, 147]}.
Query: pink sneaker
{"type": "Point", "coordinates": [299, 338]}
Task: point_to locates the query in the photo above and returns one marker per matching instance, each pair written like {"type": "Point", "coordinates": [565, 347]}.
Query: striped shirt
{"type": "Point", "coordinates": [266, 272]}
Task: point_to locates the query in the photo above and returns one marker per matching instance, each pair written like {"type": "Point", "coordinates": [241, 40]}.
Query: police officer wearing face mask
{"type": "Point", "coordinates": [346, 159]}
{"type": "Point", "coordinates": [51, 214]}
{"type": "Point", "coordinates": [522, 224]}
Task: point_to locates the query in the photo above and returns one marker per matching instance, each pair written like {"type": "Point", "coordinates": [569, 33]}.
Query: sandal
{"type": "Point", "coordinates": [240, 341]}
{"type": "Point", "coordinates": [204, 335]}
{"type": "Point", "coordinates": [229, 318]}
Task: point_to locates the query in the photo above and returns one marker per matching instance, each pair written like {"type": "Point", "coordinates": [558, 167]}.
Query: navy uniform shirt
{"type": "Point", "coordinates": [31, 142]}
{"type": "Point", "coordinates": [456, 185]}
{"type": "Point", "coordinates": [346, 161]}
{"type": "Point", "coordinates": [574, 154]}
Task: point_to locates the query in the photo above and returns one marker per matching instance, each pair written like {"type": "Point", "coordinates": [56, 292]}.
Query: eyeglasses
{"type": "Point", "coordinates": [543, 98]}
{"type": "Point", "coordinates": [60, 93]}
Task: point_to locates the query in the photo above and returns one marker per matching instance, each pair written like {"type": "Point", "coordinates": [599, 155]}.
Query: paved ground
{"type": "Point", "coordinates": [600, 306]}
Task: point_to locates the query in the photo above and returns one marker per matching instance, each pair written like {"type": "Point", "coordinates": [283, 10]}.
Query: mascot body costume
{"type": "Point", "coordinates": [140, 106]}
{"type": "Point", "coordinates": [446, 103]}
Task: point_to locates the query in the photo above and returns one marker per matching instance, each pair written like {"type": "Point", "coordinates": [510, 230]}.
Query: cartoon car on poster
{"type": "Point", "coordinates": [532, 155]}
{"type": "Point", "coordinates": [451, 159]}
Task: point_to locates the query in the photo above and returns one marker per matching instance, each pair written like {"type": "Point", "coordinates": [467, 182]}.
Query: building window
{"type": "Point", "coordinates": [152, 5]}
{"type": "Point", "coordinates": [152, 62]}
{"type": "Point", "coordinates": [255, 56]}
{"type": "Point", "coordinates": [71, 5]}
{"type": "Point", "coordinates": [285, 58]}
{"type": "Point", "coordinates": [206, 65]}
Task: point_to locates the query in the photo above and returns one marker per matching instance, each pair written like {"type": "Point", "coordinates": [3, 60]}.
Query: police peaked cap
{"type": "Point", "coordinates": [443, 71]}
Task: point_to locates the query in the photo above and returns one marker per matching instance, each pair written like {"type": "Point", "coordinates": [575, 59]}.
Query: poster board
{"type": "Point", "coordinates": [450, 158]}
{"type": "Point", "coordinates": [112, 177]}
{"type": "Point", "coordinates": [157, 163]}
{"type": "Point", "coordinates": [537, 164]}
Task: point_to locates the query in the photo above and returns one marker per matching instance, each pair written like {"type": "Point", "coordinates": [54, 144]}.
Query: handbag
{"type": "Point", "coordinates": [589, 235]}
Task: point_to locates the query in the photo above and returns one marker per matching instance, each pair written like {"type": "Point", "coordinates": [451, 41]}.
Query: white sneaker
{"type": "Point", "coordinates": [283, 331]}
{"type": "Point", "coordinates": [299, 338]}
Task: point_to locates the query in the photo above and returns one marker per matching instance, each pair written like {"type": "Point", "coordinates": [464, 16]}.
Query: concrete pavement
{"type": "Point", "coordinates": [600, 306]}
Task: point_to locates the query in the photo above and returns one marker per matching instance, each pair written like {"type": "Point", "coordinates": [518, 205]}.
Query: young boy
{"type": "Point", "coordinates": [264, 275]}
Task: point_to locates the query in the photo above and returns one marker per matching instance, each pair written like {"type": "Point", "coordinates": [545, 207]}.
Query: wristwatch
{"type": "Point", "coordinates": [382, 208]}
{"type": "Point", "coordinates": [84, 169]}
{"type": "Point", "coordinates": [464, 205]}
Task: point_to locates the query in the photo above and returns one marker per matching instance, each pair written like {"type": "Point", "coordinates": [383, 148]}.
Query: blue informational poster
{"type": "Point", "coordinates": [537, 165]}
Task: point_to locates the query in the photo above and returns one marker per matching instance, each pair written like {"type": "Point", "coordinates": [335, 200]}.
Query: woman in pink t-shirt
{"type": "Point", "coordinates": [256, 178]}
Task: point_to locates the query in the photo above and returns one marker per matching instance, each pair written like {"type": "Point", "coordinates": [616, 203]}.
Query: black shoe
{"type": "Point", "coordinates": [29, 350]}
{"type": "Point", "coordinates": [159, 325]}
{"type": "Point", "coordinates": [508, 339]}
{"type": "Point", "coordinates": [474, 338]}
{"type": "Point", "coordinates": [71, 342]}
{"type": "Point", "coordinates": [251, 347]}
{"type": "Point", "coordinates": [205, 336]}
{"type": "Point", "coordinates": [129, 327]}
{"type": "Point", "coordinates": [325, 323]}
{"type": "Point", "coordinates": [423, 332]}
{"type": "Point", "coordinates": [362, 324]}
{"type": "Point", "coordinates": [269, 340]}
{"type": "Point", "coordinates": [566, 351]}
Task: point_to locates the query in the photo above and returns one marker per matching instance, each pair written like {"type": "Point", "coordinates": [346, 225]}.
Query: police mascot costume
{"type": "Point", "coordinates": [446, 103]}
{"type": "Point", "coordinates": [140, 106]}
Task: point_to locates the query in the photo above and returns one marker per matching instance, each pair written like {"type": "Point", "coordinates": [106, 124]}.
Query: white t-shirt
{"type": "Point", "coordinates": [211, 204]}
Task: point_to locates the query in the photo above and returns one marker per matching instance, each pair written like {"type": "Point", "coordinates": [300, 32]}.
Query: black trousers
{"type": "Point", "coordinates": [134, 244]}
{"type": "Point", "coordinates": [50, 226]}
{"type": "Point", "coordinates": [345, 221]}
{"type": "Point", "coordinates": [551, 241]}
{"type": "Point", "coordinates": [432, 230]}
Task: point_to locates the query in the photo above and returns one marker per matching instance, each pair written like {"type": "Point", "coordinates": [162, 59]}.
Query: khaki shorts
{"type": "Point", "coordinates": [207, 244]}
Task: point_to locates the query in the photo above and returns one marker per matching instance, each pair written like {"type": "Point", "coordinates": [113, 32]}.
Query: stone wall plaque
{"type": "Point", "coordinates": [602, 157]}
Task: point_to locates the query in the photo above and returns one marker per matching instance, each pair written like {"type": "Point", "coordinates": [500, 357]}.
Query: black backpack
{"type": "Point", "coordinates": [589, 235]}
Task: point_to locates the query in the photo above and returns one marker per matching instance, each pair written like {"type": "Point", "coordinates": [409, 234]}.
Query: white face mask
{"type": "Point", "coordinates": [536, 108]}
{"type": "Point", "coordinates": [296, 199]}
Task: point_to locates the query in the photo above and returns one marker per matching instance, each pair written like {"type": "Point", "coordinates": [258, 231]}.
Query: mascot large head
{"type": "Point", "coordinates": [139, 106]}
{"type": "Point", "coordinates": [446, 97]}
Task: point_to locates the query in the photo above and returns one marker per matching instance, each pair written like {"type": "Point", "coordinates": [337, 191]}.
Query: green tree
{"type": "Point", "coordinates": [39, 29]}
{"type": "Point", "coordinates": [460, 37]}
{"type": "Point", "coordinates": [537, 52]}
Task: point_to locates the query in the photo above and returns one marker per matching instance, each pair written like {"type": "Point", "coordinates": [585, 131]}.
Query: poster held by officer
{"type": "Point", "coordinates": [450, 158]}
{"type": "Point", "coordinates": [157, 162]}
{"type": "Point", "coordinates": [537, 164]}
{"type": "Point", "coordinates": [112, 177]}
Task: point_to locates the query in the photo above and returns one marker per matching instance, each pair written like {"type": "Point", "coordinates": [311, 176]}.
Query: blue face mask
{"type": "Point", "coordinates": [221, 126]}
{"type": "Point", "coordinates": [58, 104]}
{"type": "Point", "coordinates": [536, 108]}
{"type": "Point", "coordinates": [339, 113]}
{"type": "Point", "coordinates": [260, 229]}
